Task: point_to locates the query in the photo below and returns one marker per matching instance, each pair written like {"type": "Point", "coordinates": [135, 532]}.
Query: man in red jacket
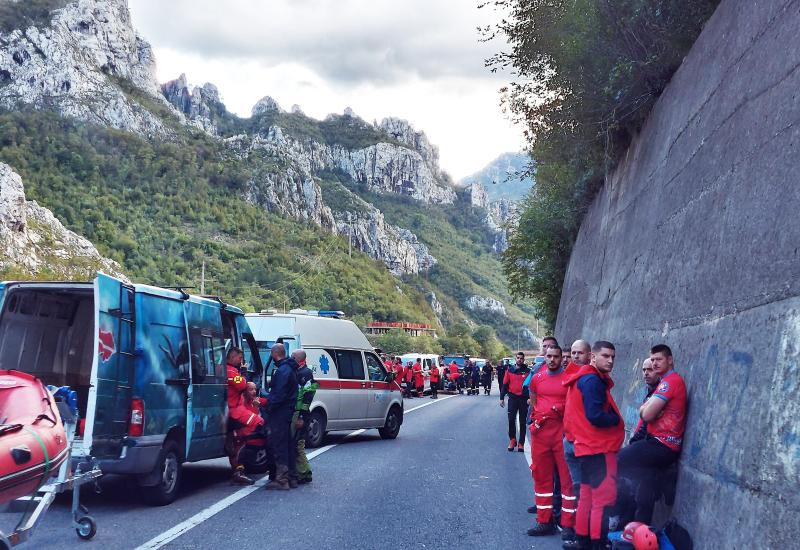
{"type": "Point", "coordinates": [408, 378]}
{"type": "Point", "coordinates": [514, 386]}
{"type": "Point", "coordinates": [419, 379]}
{"type": "Point", "coordinates": [236, 382]}
{"type": "Point", "coordinates": [548, 395]}
{"type": "Point", "coordinates": [593, 419]}
{"type": "Point", "coordinates": [434, 379]}
{"type": "Point", "coordinates": [236, 387]}
{"type": "Point", "coordinates": [398, 372]}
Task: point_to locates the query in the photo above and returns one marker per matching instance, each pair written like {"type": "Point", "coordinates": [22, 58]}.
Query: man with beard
{"type": "Point", "coordinates": [548, 395]}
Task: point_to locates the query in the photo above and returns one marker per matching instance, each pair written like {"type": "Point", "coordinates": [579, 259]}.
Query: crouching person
{"type": "Point", "coordinates": [306, 389]}
{"type": "Point", "coordinates": [281, 401]}
{"type": "Point", "coordinates": [236, 387]}
{"type": "Point", "coordinates": [663, 417]}
{"type": "Point", "coordinates": [246, 419]}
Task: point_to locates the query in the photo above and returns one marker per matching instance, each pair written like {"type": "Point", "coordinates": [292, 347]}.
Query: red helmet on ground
{"type": "Point", "coordinates": [644, 538]}
{"type": "Point", "coordinates": [630, 529]}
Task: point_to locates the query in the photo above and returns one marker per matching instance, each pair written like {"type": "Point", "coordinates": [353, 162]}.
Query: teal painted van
{"type": "Point", "coordinates": [147, 363]}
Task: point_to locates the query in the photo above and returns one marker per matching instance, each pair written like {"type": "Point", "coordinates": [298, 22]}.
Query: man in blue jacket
{"type": "Point", "coordinates": [281, 401]}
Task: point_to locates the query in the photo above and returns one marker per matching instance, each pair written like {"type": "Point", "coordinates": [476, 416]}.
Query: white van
{"type": "Point", "coordinates": [355, 389]}
{"type": "Point", "coordinates": [428, 360]}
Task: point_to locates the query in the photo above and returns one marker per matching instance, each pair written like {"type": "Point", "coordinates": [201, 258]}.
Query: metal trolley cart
{"type": "Point", "coordinates": [35, 506]}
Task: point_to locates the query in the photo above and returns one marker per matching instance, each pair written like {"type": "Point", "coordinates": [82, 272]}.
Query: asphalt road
{"type": "Point", "coordinates": [447, 481]}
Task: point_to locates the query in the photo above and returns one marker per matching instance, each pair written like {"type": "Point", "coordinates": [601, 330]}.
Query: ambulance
{"type": "Point", "coordinates": [355, 389]}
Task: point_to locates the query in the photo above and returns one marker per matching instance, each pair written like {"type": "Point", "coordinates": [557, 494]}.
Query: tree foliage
{"type": "Point", "coordinates": [587, 75]}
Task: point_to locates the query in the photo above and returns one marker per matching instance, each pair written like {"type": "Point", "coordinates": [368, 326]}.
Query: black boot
{"type": "Point", "coordinates": [578, 543]}
{"type": "Point", "coordinates": [542, 530]}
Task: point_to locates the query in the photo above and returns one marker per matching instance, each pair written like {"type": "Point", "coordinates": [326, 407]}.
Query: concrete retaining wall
{"type": "Point", "coordinates": [694, 242]}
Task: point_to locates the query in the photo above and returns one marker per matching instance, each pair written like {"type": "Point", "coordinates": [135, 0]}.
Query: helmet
{"type": "Point", "coordinates": [630, 529]}
{"type": "Point", "coordinates": [644, 538]}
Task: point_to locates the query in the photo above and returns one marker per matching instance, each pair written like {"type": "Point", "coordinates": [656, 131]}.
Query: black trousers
{"type": "Point", "coordinates": [280, 440]}
{"type": "Point", "coordinates": [434, 389]}
{"type": "Point", "coordinates": [641, 464]}
{"type": "Point", "coordinates": [517, 410]}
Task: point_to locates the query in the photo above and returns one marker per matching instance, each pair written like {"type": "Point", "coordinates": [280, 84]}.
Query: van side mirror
{"type": "Point", "coordinates": [390, 376]}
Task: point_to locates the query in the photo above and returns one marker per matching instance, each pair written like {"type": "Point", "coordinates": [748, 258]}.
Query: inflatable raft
{"type": "Point", "coordinates": [33, 443]}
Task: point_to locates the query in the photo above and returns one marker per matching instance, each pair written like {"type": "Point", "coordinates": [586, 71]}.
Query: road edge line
{"type": "Point", "coordinates": [190, 523]}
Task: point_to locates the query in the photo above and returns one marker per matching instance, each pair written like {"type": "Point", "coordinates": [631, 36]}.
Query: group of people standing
{"type": "Point", "coordinates": [578, 463]}
{"type": "Point", "coordinates": [283, 410]}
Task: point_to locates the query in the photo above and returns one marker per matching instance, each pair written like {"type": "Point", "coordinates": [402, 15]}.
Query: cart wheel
{"type": "Point", "coordinates": [87, 528]}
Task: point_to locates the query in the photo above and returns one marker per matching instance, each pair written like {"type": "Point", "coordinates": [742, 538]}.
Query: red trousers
{"type": "Point", "coordinates": [547, 453]}
{"type": "Point", "coordinates": [598, 494]}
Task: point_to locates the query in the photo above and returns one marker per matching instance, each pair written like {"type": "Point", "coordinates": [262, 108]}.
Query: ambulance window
{"type": "Point", "coordinates": [350, 364]}
{"type": "Point", "coordinates": [377, 373]}
{"type": "Point", "coordinates": [427, 363]}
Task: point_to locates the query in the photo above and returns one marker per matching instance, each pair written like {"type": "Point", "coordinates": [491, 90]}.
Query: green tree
{"type": "Point", "coordinates": [396, 341]}
{"type": "Point", "coordinates": [588, 73]}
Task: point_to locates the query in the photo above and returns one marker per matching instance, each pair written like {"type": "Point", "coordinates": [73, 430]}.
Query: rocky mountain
{"type": "Point", "coordinates": [376, 185]}
{"type": "Point", "coordinates": [503, 178]}
{"type": "Point", "coordinates": [36, 244]}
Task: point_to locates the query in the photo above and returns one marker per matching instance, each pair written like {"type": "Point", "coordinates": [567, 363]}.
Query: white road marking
{"type": "Point", "coordinates": [171, 534]}
{"type": "Point", "coordinates": [528, 448]}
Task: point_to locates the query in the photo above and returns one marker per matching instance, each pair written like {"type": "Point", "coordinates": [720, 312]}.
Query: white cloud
{"type": "Point", "coordinates": [419, 60]}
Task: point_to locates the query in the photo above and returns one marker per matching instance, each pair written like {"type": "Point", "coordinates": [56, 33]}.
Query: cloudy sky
{"type": "Point", "coordinates": [417, 59]}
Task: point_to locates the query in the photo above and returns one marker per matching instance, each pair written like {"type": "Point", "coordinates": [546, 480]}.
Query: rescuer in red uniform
{"type": "Point", "coordinates": [593, 419]}
{"type": "Point", "coordinates": [236, 387]}
{"type": "Point", "coordinates": [247, 418]}
{"type": "Point", "coordinates": [434, 378]}
{"type": "Point", "coordinates": [398, 372]}
{"type": "Point", "coordinates": [236, 382]}
{"type": "Point", "coordinates": [665, 415]}
{"type": "Point", "coordinates": [454, 374]}
{"type": "Point", "coordinates": [580, 354]}
{"type": "Point", "coordinates": [548, 396]}
{"type": "Point", "coordinates": [408, 378]}
{"type": "Point", "coordinates": [513, 385]}
{"type": "Point", "coordinates": [419, 379]}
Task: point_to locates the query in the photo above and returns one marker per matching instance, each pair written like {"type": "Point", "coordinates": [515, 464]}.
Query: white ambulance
{"type": "Point", "coordinates": [355, 389]}
{"type": "Point", "coordinates": [429, 361]}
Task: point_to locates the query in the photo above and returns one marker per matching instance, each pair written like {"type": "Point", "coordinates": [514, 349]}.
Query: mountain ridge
{"type": "Point", "coordinates": [329, 174]}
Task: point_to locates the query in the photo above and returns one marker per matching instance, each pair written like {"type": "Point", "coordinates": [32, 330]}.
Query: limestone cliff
{"type": "Point", "coordinates": [33, 242]}
{"type": "Point", "coordinates": [75, 64]}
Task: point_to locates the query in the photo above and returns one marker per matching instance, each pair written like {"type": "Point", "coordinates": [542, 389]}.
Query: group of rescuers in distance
{"type": "Point", "coordinates": [584, 480]}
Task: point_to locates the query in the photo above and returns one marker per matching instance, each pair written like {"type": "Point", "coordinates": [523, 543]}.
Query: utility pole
{"type": "Point", "coordinates": [349, 236]}
{"type": "Point", "coordinates": [203, 279]}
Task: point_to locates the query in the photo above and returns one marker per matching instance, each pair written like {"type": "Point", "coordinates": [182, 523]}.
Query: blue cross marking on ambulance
{"type": "Point", "coordinates": [324, 366]}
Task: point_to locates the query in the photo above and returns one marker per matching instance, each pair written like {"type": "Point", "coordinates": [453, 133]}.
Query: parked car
{"type": "Point", "coordinates": [147, 363]}
{"type": "Point", "coordinates": [355, 389]}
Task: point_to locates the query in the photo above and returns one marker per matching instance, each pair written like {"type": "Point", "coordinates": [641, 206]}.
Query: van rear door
{"type": "Point", "coordinates": [207, 392]}
{"type": "Point", "coordinates": [111, 388]}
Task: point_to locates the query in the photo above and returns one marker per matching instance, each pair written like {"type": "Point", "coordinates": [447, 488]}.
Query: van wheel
{"type": "Point", "coordinates": [169, 480]}
{"type": "Point", "coordinates": [315, 431]}
{"type": "Point", "coordinates": [392, 426]}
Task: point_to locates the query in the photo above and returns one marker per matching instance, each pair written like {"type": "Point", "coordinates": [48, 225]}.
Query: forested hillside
{"type": "Point", "coordinates": [164, 180]}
